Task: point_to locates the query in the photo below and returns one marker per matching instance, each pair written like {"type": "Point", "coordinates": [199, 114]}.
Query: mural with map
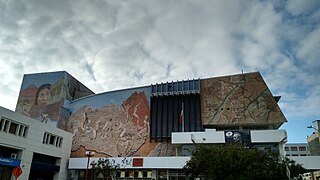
{"type": "Point", "coordinates": [238, 100]}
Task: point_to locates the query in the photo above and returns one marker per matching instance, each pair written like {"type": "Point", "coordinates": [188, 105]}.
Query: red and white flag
{"type": "Point", "coordinates": [181, 115]}
{"type": "Point", "coordinates": [17, 172]}
{"type": "Point", "coordinates": [181, 119]}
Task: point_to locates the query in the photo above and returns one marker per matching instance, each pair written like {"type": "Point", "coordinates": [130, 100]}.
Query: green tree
{"type": "Point", "coordinates": [235, 162]}
{"type": "Point", "coordinates": [105, 168]}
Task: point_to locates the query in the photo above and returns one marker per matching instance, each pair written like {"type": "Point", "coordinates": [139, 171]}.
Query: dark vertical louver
{"type": "Point", "coordinates": [166, 105]}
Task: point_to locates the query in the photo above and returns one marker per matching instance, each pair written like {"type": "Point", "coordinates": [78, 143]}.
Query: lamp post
{"type": "Point", "coordinates": [311, 127]}
{"type": "Point", "coordinates": [93, 164]}
{"type": "Point", "coordinates": [88, 154]}
{"type": "Point", "coordinates": [315, 125]}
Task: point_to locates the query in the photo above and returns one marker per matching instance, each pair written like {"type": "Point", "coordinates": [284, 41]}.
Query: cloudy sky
{"type": "Point", "coordinates": [112, 44]}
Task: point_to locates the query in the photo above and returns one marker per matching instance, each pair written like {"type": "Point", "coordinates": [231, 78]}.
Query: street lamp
{"type": "Point", "coordinates": [93, 164]}
{"type": "Point", "coordinates": [315, 125]}
{"type": "Point", "coordinates": [88, 154]}
{"type": "Point", "coordinates": [312, 127]}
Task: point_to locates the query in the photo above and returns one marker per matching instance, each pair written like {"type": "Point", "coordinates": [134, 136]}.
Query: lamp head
{"type": "Point", "coordinates": [89, 153]}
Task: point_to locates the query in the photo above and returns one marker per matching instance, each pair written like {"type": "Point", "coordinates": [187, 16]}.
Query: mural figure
{"type": "Point", "coordinates": [43, 96]}
{"type": "Point", "coordinates": [115, 130]}
{"type": "Point", "coordinates": [38, 103]}
{"type": "Point", "coordinates": [258, 110]}
{"type": "Point", "coordinates": [25, 107]}
{"type": "Point", "coordinates": [44, 118]}
{"type": "Point", "coordinates": [143, 131]}
{"type": "Point", "coordinates": [107, 127]}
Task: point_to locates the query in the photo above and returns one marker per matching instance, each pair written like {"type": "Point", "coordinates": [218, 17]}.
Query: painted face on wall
{"type": "Point", "coordinates": [44, 96]}
{"type": "Point", "coordinates": [236, 137]}
{"type": "Point", "coordinates": [262, 102]}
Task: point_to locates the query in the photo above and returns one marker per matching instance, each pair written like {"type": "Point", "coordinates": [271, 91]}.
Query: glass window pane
{"type": "Point", "coordinates": [13, 128]}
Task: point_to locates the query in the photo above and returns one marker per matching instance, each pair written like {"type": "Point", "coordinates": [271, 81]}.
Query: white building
{"type": "Point", "coordinates": [296, 149]}
{"type": "Point", "coordinates": [314, 139]}
{"type": "Point", "coordinates": [41, 151]}
{"type": "Point", "coordinates": [172, 167]}
{"type": "Point", "coordinates": [265, 140]}
{"type": "Point", "coordinates": [152, 128]}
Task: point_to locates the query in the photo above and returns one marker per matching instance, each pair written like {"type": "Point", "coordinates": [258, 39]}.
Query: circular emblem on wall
{"type": "Point", "coordinates": [229, 134]}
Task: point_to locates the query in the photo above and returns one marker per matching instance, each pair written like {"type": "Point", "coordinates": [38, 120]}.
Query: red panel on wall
{"type": "Point", "coordinates": [137, 162]}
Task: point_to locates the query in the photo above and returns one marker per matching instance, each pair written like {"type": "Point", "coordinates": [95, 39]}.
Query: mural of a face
{"type": "Point", "coordinates": [43, 95]}
{"type": "Point", "coordinates": [262, 102]}
{"type": "Point", "coordinates": [236, 137]}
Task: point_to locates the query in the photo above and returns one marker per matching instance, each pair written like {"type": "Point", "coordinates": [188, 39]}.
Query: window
{"type": "Point", "coordinates": [302, 148]}
{"type": "Point", "coordinates": [286, 148]}
{"type": "Point", "coordinates": [136, 174]}
{"type": "Point", "coordinates": [59, 143]}
{"type": "Point", "coordinates": [44, 138]}
{"type": "Point", "coordinates": [144, 173]}
{"type": "Point", "coordinates": [52, 139]}
{"type": "Point", "coordinates": [20, 130]}
{"type": "Point", "coordinates": [294, 148]}
{"type": "Point", "coordinates": [12, 127]}
{"type": "Point", "coordinates": [47, 138]}
{"type": "Point", "coordinates": [6, 125]}
{"type": "Point", "coordinates": [25, 131]}
{"type": "Point", "coordinates": [1, 123]}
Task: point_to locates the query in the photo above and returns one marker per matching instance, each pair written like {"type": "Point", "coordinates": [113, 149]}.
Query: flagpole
{"type": "Point", "coordinates": [182, 118]}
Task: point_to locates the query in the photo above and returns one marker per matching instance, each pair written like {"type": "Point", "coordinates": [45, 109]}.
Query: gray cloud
{"type": "Point", "coordinates": [116, 44]}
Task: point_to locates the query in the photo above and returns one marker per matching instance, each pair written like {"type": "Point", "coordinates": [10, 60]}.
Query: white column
{"type": "Point", "coordinates": [25, 165]}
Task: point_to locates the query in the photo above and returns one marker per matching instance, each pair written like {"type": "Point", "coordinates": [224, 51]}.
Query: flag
{"type": "Point", "coordinates": [181, 119]}
{"type": "Point", "coordinates": [181, 116]}
{"type": "Point", "coordinates": [17, 172]}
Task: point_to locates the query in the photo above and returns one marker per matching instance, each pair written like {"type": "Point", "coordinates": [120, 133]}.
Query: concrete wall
{"type": "Point", "coordinates": [148, 162]}
{"type": "Point", "coordinates": [213, 136]}
{"type": "Point", "coordinates": [308, 162]}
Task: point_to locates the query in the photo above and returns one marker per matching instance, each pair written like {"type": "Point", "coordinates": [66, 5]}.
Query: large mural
{"type": "Point", "coordinates": [42, 96]}
{"type": "Point", "coordinates": [43, 102]}
{"type": "Point", "coordinates": [118, 123]}
{"type": "Point", "coordinates": [116, 130]}
{"type": "Point", "coordinates": [238, 100]}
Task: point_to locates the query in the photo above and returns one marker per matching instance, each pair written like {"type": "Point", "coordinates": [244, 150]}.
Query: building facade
{"type": "Point", "coordinates": [35, 149]}
{"type": "Point", "coordinates": [314, 139]}
{"type": "Point", "coordinates": [160, 120]}
{"type": "Point", "coordinates": [296, 149]}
